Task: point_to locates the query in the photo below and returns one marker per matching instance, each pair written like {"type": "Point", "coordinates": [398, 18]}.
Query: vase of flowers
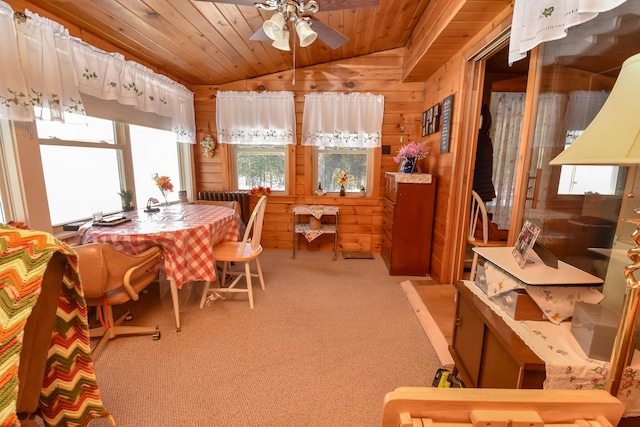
{"type": "Point", "coordinates": [342, 177]}
{"type": "Point", "coordinates": [409, 155]}
{"type": "Point", "coordinates": [164, 184]}
{"type": "Point", "coordinates": [260, 191]}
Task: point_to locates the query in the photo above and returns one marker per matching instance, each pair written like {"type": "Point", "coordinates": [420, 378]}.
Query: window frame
{"type": "Point", "coordinates": [124, 156]}
{"type": "Point", "coordinates": [370, 165]}
{"type": "Point", "coordinates": [287, 150]}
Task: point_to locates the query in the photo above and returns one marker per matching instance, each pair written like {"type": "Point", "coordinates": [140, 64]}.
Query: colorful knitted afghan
{"type": "Point", "coordinates": [70, 395]}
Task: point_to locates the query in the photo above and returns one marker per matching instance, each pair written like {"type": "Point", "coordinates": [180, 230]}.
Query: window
{"type": "Point", "coordinates": [587, 179]}
{"type": "Point", "coordinates": [260, 166]}
{"type": "Point", "coordinates": [85, 167]}
{"type": "Point", "coordinates": [259, 126]}
{"type": "Point", "coordinates": [343, 129]}
{"type": "Point", "coordinates": [153, 151]}
{"type": "Point", "coordinates": [354, 160]}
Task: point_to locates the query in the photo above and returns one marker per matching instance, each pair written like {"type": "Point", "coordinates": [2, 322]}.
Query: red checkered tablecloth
{"type": "Point", "coordinates": [186, 234]}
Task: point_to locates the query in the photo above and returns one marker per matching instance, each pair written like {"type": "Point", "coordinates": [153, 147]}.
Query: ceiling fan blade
{"type": "Point", "coordinates": [332, 37]}
{"type": "Point", "coordinates": [328, 5]}
{"type": "Point", "coordinates": [236, 2]}
{"type": "Point", "coordinates": [259, 35]}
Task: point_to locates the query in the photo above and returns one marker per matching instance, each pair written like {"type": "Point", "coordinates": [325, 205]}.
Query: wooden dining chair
{"type": "Point", "coordinates": [245, 251]}
{"type": "Point", "coordinates": [479, 215]}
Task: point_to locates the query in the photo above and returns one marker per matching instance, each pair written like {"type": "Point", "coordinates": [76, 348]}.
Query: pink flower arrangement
{"type": "Point", "coordinates": [412, 150]}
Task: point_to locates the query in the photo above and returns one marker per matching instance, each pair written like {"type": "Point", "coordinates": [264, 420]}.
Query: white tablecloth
{"type": "Point", "coordinates": [567, 366]}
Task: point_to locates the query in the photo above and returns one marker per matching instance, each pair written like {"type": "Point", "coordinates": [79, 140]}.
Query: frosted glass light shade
{"type": "Point", "coordinates": [274, 26]}
{"type": "Point", "coordinates": [613, 137]}
{"type": "Point", "coordinates": [282, 42]}
{"type": "Point", "coordinates": [305, 33]}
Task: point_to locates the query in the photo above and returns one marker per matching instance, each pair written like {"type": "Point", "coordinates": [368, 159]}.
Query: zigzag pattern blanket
{"type": "Point", "coordinates": [70, 395]}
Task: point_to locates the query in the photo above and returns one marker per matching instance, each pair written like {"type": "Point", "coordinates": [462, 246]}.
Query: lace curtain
{"type": "Point", "coordinates": [538, 21]}
{"type": "Point", "coordinates": [507, 111]}
{"type": "Point", "coordinates": [256, 118]}
{"type": "Point", "coordinates": [342, 120]}
{"type": "Point", "coordinates": [44, 70]}
{"type": "Point", "coordinates": [549, 133]}
{"type": "Point", "coordinates": [13, 89]}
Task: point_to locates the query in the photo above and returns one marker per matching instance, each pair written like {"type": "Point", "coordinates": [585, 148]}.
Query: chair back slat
{"type": "Point", "coordinates": [478, 210]}
{"type": "Point", "coordinates": [253, 232]}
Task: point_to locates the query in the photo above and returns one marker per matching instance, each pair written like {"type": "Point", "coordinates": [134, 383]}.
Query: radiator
{"type": "Point", "coordinates": [241, 197]}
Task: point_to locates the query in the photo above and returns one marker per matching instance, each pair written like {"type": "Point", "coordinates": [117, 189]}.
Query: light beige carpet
{"type": "Point", "coordinates": [326, 341]}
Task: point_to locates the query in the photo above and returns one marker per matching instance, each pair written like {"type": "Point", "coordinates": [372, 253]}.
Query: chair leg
{"type": "Point", "coordinates": [260, 273]}
{"type": "Point", "coordinates": [474, 266]}
{"type": "Point", "coordinates": [247, 269]}
{"type": "Point", "coordinates": [205, 292]}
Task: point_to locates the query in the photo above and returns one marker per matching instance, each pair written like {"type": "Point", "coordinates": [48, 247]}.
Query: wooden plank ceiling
{"type": "Point", "coordinates": [199, 42]}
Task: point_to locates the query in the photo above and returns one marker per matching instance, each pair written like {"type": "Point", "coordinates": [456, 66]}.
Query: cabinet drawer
{"type": "Point", "coordinates": [385, 250]}
{"type": "Point", "coordinates": [388, 210]}
{"type": "Point", "coordinates": [387, 227]}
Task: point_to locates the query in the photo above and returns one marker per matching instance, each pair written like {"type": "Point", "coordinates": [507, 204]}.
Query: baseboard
{"type": "Point", "coordinates": [438, 340]}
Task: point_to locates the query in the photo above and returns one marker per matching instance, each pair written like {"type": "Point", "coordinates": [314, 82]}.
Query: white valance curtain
{"type": "Point", "coordinates": [44, 70]}
{"type": "Point", "coordinates": [538, 21]}
{"type": "Point", "coordinates": [334, 119]}
{"type": "Point", "coordinates": [256, 118]}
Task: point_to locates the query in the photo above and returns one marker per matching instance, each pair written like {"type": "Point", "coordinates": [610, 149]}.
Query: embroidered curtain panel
{"type": "Point", "coordinates": [47, 64]}
{"type": "Point", "coordinates": [256, 118]}
{"type": "Point", "coordinates": [13, 89]}
{"type": "Point", "coordinates": [44, 70]}
{"type": "Point", "coordinates": [343, 120]}
{"type": "Point", "coordinates": [538, 21]}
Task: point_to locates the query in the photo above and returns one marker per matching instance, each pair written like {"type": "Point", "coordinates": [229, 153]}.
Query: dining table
{"type": "Point", "coordinates": [186, 233]}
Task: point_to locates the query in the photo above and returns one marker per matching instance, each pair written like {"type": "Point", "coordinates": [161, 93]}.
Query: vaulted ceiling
{"type": "Point", "coordinates": [200, 42]}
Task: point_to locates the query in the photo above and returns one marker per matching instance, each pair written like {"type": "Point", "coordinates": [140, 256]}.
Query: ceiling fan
{"type": "Point", "coordinates": [298, 15]}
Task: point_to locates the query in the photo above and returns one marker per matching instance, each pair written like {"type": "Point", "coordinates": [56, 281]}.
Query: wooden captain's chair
{"type": "Point", "coordinates": [110, 277]}
{"type": "Point", "coordinates": [479, 214]}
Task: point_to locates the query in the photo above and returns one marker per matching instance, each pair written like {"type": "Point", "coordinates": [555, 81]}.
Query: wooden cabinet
{"type": "Point", "coordinates": [407, 223]}
{"type": "Point", "coordinates": [487, 352]}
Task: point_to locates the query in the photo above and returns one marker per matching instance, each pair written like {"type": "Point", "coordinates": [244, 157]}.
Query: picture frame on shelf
{"type": "Point", "coordinates": [525, 242]}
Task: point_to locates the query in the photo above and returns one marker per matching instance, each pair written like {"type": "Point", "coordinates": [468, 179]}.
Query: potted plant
{"type": "Point", "coordinates": [126, 197]}
{"type": "Point", "coordinates": [363, 192]}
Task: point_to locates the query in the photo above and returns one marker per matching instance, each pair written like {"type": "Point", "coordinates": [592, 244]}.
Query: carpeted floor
{"type": "Point", "coordinates": [326, 341]}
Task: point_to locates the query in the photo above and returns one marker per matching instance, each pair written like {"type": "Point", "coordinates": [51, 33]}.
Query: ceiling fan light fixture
{"type": "Point", "coordinates": [282, 42]}
{"type": "Point", "coordinates": [305, 33]}
{"type": "Point", "coordinates": [274, 26]}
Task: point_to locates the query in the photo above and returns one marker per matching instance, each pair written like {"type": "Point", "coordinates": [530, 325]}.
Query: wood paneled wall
{"type": "Point", "coordinates": [360, 217]}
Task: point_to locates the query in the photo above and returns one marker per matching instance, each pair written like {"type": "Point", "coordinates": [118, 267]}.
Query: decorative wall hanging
{"type": "Point", "coordinates": [208, 145]}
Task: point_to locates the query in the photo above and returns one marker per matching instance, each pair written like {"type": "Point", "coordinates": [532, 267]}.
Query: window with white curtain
{"type": "Point", "coordinates": [259, 126]}
{"type": "Point", "coordinates": [344, 129]}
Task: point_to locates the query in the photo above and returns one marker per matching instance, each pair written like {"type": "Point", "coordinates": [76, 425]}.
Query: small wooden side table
{"type": "Point", "coordinates": [306, 229]}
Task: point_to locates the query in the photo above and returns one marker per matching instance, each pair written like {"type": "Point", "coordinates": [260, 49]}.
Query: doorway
{"type": "Point", "coordinates": [497, 145]}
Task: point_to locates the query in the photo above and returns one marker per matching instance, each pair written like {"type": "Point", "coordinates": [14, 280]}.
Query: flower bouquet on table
{"type": "Point", "coordinates": [163, 182]}
{"type": "Point", "coordinates": [260, 191]}
{"type": "Point", "coordinates": [409, 155]}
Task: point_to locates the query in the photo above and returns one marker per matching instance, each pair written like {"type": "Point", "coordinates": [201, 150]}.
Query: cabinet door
{"type": "Point", "coordinates": [468, 340]}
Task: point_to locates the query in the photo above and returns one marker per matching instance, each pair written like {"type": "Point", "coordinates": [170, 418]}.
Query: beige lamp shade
{"type": "Point", "coordinates": [613, 137]}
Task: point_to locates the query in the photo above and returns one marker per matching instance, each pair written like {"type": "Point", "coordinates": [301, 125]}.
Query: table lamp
{"type": "Point", "coordinates": [613, 138]}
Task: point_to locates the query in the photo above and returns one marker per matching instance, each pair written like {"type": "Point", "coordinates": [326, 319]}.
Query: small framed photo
{"type": "Point", "coordinates": [525, 242]}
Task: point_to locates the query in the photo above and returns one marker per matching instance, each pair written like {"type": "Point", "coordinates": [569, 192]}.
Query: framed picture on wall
{"type": "Point", "coordinates": [424, 123]}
